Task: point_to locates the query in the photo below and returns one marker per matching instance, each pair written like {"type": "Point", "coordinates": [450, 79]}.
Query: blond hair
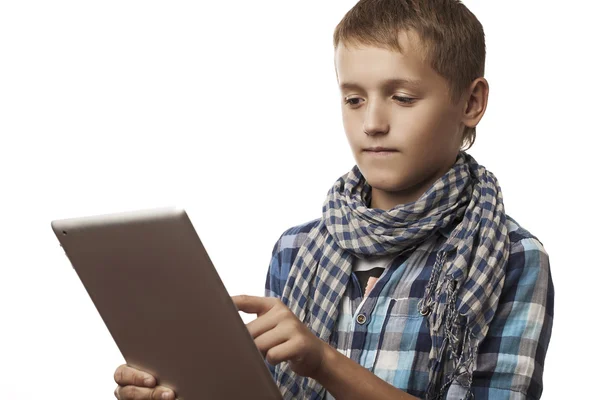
{"type": "Point", "coordinates": [452, 37]}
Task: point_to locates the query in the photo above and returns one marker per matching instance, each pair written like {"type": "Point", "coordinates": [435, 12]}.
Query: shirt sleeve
{"type": "Point", "coordinates": [272, 284]}
{"type": "Point", "coordinates": [510, 361]}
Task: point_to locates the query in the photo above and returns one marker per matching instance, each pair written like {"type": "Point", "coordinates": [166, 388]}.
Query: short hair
{"type": "Point", "coordinates": [452, 37]}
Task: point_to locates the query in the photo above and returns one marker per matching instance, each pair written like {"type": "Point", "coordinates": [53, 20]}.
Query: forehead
{"type": "Point", "coordinates": [367, 65]}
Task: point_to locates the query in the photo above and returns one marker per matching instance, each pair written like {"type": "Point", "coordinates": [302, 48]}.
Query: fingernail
{"type": "Point", "coordinates": [148, 381]}
{"type": "Point", "coordinates": [166, 395]}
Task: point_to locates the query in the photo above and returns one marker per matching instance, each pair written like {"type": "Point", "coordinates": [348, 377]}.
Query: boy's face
{"type": "Point", "coordinates": [417, 119]}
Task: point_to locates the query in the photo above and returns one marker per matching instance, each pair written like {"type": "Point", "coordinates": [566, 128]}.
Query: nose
{"type": "Point", "coordinates": [376, 120]}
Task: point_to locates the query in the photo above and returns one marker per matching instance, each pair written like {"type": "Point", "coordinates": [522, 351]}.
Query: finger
{"type": "Point", "coordinates": [263, 323]}
{"type": "Point", "coordinates": [126, 375]}
{"type": "Point", "coordinates": [283, 352]}
{"type": "Point", "coordinates": [254, 304]}
{"type": "Point", "coordinates": [140, 393]}
{"type": "Point", "coordinates": [277, 315]}
{"type": "Point", "coordinates": [270, 339]}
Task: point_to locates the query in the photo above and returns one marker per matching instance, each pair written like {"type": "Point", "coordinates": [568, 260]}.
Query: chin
{"type": "Point", "coordinates": [388, 181]}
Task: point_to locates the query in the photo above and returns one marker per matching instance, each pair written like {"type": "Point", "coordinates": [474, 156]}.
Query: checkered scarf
{"type": "Point", "coordinates": [462, 295]}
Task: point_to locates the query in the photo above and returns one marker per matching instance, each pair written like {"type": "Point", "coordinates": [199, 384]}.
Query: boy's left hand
{"type": "Point", "coordinates": [281, 336]}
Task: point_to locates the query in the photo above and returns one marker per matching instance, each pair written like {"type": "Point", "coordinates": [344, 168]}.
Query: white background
{"type": "Point", "coordinates": [231, 110]}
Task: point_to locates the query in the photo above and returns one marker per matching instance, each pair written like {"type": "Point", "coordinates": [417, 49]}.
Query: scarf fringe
{"type": "Point", "coordinates": [462, 349]}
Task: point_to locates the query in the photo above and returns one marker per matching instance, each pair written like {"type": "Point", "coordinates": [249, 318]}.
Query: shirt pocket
{"type": "Point", "coordinates": [398, 338]}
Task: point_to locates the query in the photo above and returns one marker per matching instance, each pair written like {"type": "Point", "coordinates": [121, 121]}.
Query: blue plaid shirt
{"type": "Point", "coordinates": [385, 333]}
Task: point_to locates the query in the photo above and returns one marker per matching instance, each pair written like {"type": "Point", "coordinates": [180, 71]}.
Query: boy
{"type": "Point", "coordinates": [414, 283]}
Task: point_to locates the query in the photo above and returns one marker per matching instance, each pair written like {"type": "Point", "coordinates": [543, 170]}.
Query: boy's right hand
{"type": "Point", "coordinates": [139, 385]}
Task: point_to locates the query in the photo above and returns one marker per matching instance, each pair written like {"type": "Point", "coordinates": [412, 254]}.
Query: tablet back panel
{"type": "Point", "coordinates": [164, 304]}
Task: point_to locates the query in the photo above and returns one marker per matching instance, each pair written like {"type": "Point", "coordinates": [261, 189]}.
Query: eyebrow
{"type": "Point", "coordinates": [408, 83]}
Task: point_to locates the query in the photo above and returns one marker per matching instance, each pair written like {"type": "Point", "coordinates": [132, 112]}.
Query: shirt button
{"type": "Point", "coordinates": [361, 318]}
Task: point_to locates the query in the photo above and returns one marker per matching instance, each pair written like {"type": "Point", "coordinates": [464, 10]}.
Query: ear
{"type": "Point", "coordinates": [476, 102]}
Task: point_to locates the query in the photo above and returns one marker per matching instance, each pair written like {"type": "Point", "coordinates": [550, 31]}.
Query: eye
{"type": "Point", "coordinates": [401, 99]}
{"type": "Point", "coordinates": [350, 101]}
{"type": "Point", "coordinates": [404, 100]}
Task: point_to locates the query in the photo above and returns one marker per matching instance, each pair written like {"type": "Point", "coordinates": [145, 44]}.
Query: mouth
{"type": "Point", "coordinates": [380, 150]}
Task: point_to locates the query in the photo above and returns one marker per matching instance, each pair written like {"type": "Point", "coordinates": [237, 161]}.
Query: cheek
{"type": "Point", "coordinates": [428, 130]}
{"type": "Point", "coordinates": [352, 129]}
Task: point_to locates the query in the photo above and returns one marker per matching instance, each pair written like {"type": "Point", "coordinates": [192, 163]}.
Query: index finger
{"type": "Point", "coordinates": [126, 375]}
{"type": "Point", "coordinates": [253, 304]}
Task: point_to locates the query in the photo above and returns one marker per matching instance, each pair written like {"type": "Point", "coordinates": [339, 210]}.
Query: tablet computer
{"type": "Point", "coordinates": [157, 291]}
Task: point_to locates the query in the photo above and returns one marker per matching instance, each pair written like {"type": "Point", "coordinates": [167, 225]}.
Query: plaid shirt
{"type": "Point", "coordinates": [385, 333]}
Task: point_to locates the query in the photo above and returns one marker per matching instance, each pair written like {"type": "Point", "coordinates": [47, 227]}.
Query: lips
{"type": "Point", "coordinates": [380, 149]}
